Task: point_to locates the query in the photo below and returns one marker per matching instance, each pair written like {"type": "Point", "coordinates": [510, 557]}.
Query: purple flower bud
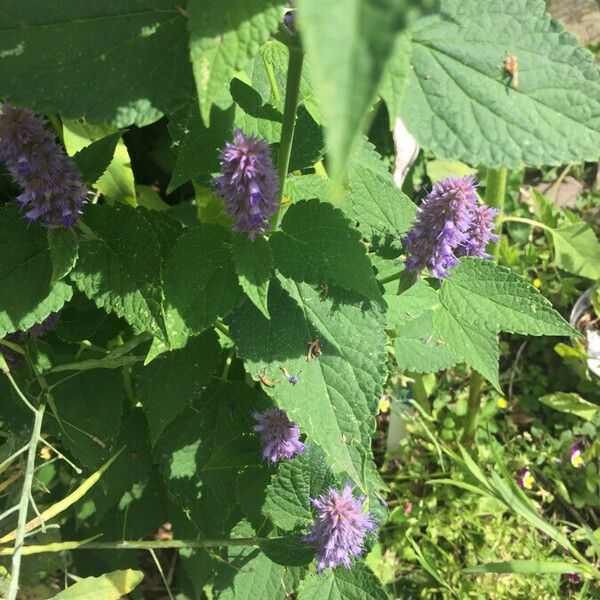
{"type": "Point", "coordinates": [249, 185]}
{"type": "Point", "coordinates": [48, 324]}
{"type": "Point", "coordinates": [53, 191]}
{"type": "Point", "coordinates": [13, 359]}
{"type": "Point", "coordinates": [280, 436]}
{"type": "Point", "coordinates": [338, 533]}
{"type": "Point", "coordinates": [449, 224]}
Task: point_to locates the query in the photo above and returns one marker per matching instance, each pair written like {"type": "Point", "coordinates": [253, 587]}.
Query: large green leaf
{"type": "Point", "coordinates": [110, 586]}
{"type": "Point", "coordinates": [348, 45]}
{"type": "Point", "coordinates": [200, 280]}
{"type": "Point", "coordinates": [202, 451]}
{"type": "Point", "coordinates": [317, 244]}
{"type": "Point", "coordinates": [295, 482]}
{"type": "Point", "coordinates": [250, 575]}
{"type": "Point", "coordinates": [488, 295]}
{"type": "Point", "coordinates": [175, 379]}
{"type": "Point", "coordinates": [89, 408]}
{"type": "Point", "coordinates": [132, 56]}
{"type": "Point", "coordinates": [27, 294]}
{"type": "Point", "coordinates": [64, 249]}
{"type": "Point", "coordinates": [461, 102]}
{"type": "Point", "coordinates": [223, 37]}
{"type": "Point", "coordinates": [473, 345]}
{"type": "Point", "coordinates": [93, 160]}
{"type": "Point", "coordinates": [395, 78]}
{"type": "Point", "coordinates": [577, 249]}
{"type": "Point", "coordinates": [358, 583]}
{"type": "Point", "coordinates": [103, 158]}
{"type": "Point", "coordinates": [376, 203]}
{"type": "Point", "coordinates": [253, 264]}
{"type": "Point", "coordinates": [335, 400]}
{"type": "Point", "coordinates": [119, 266]}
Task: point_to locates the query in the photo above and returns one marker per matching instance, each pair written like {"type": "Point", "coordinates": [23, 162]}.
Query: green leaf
{"type": "Point", "coordinates": [348, 45]}
{"type": "Point", "coordinates": [395, 77]}
{"type": "Point", "coordinates": [119, 268]}
{"type": "Point", "coordinates": [475, 346]}
{"type": "Point", "coordinates": [110, 586]}
{"type": "Point", "coordinates": [461, 102]}
{"type": "Point", "coordinates": [376, 203]}
{"type": "Point", "coordinates": [200, 280]}
{"type": "Point", "coordinates": [113, 176]}
{"type": "Point", "coordinates": [577, 250]}
{"type": "Point", "coordinates": [89, 408]}
{"type": "Point", "coordinates": [138, 60]}
{"type": "Point", "coordinates": [64, 249]}
{"type": "Point", "coordinates": [93, 160]}
{"type": "Point", "coordinates": [488, 295]}
{"type": "Point", "coordinates": [253, 264]}
{"type": "Point", "coordinates": [27, 294]}
{"type": "Point", "coordinates": [293, 484]}
{"type": "Point", "coordinates": [572, 403]}
{"type": "Point", "coordinates": [554, 567]}
{"type": "Point", "coordinates": [249, 575]}
{"type": "Point", "coordinates": [358, 583]}
{"type": "Point", "coordinates": [223, 39]}
{"type": "Point", "coordinates": [335, 401]}
{"type": "Point", "coordinates": [204, 449]}
{"type": "Point", "coordinates": [290, 551]}
{"type": "Point", "coordinates": [175, 379]}
{"type": "Point", "coordinates": [317, 244]}
{"type": "Point", "coordinates": [192, 139]}
{"type": "Point", "coordinates": [418, 346]}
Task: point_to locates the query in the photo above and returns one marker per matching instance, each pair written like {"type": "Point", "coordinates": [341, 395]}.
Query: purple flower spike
{"type": "Point", "coordinates": [449, 224]}
{"type": "Point", "coordinates": [338, 533]}
{"type": "Point", "coordinates": [280, 436]}
{"type": "Point", "coordinates": [53, 191]}
{"type": "Point", "coordinates": [249, 185]}
{"type": "Point", "coordinates": [41, 329]}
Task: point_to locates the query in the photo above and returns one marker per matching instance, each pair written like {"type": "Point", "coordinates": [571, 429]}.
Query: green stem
{"type": "Point", "coordinates": [24, 503]}
{"type": "Point", "coordinates": [473, 405]}
{"type": "Point", "coordinates": [392, 277]}
{"type": "Point", "coordinates": [495, 193]}
{"type": "Point", "coordinates": [272, 80]}
{"type": "Point", "coordinates": [526, 221]}
{"type": "Point", "coordinates": [134, 545]}
{"type": "Point", "coordinates": [292, 93]}
{"type": "Point", "coordinates": [419, 393]}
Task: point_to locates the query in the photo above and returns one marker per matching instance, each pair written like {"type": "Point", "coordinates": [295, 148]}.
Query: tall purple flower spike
{"type": "Point", "coordinates": [449, 224]}
{"type": "Point", "coordinates": [280, 436]}
{"type": "Point", "coordinates": [249, 185]}
{"type": "Point", "coordinates": [339, 531]}
{"type": "Point", "coordinates": [53, 191]}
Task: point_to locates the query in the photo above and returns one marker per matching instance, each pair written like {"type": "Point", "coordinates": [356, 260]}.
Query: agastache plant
{"type": "Point", "coordinates": [53, 190]}
{"type": "Point", "coordinates": [280, 437]}
{"type": "Point", "coordinates": [340, 528]}
{"type": "Point", "coordinates": [450, 224]}
{"type": "Point", "coordinates": [249, 185]}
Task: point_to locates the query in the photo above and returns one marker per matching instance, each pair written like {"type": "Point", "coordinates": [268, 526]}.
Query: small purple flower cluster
{"type": "Point", "coordinates": [339, 531]}
{"type": "Point", "coordinates": [13, 359]}
{"type": "Point", "coordinates": [450, 224]}
{"type": "Point", "coordinates": [280, 436]}
{"type": "Point", "coordinates": [249, 185]}
{"type": "Point", "coordinates": [53, 191]}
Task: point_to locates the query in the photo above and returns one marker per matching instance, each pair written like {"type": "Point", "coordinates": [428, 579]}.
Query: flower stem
{"type": "Point", "coordinates": [495, 193]}
{"type": "Point", "coordinates": [292, 93]}
{"type": "Point", "coordinates": [24, 502]}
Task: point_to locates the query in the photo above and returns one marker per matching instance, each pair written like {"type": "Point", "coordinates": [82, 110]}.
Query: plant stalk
{"type": "Point", "coordinates": [24, 502]}
{"type": "Point", "coordinates": [495, 193]}
{"type": "Point", "coordinates": [419, 393]}
{"type": "Point", "coordinates": [292, 93]}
